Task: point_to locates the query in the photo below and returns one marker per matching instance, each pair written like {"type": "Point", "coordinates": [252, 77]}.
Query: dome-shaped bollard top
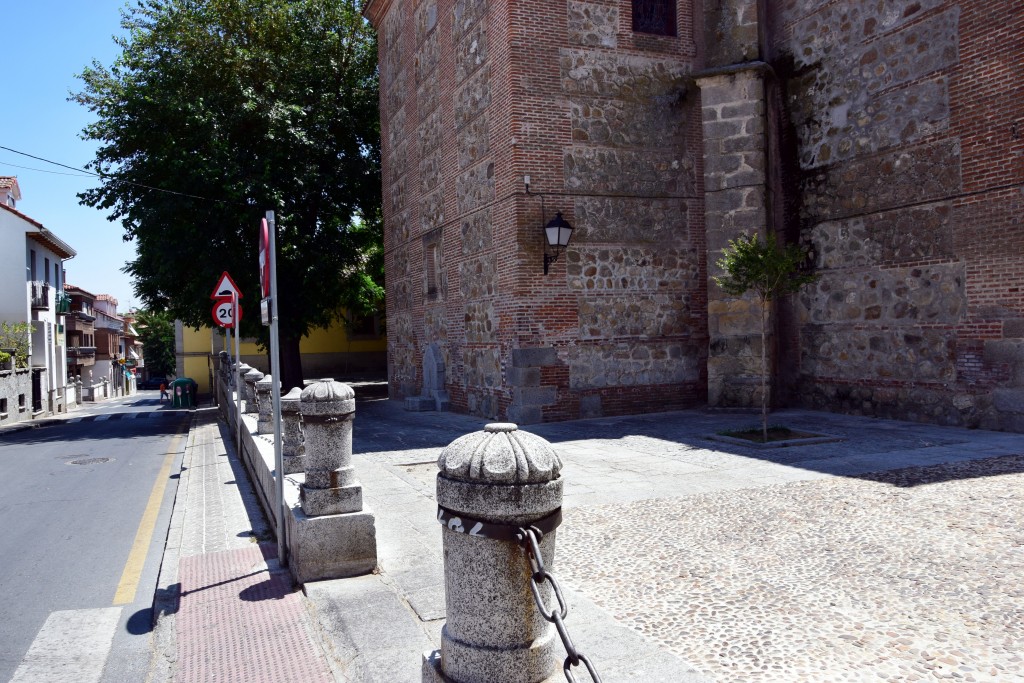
{"type": "Point", "coordinates": [489, 484]}
{"type": "Point", "coordinates": [327, 409]}
{"type": "Point", "coordinates": [250, 378]}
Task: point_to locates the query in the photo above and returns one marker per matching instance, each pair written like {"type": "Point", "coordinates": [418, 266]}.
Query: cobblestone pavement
{"type": "Point", "coordinates": [909, 575]}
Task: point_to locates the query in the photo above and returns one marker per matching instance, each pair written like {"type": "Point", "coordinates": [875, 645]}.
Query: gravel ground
{"type": "Point", "coordinates": [910, 575]}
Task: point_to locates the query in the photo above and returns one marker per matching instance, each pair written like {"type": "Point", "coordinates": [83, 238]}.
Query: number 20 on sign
{"type": "Point", "coordinates": [223, 313]}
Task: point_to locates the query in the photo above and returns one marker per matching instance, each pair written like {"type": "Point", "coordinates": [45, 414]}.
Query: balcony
{"type": "Point", "coordinates": [81, 351]}
{"type": "Point", "coordinates": [40, 295]}
{"type": "Point", "coordinates": [77, 324]}
{"type": "Point", "coordinates": [63, 302]}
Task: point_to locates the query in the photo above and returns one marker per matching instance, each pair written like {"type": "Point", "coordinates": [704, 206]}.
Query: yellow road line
{"type": "Point", "coordinates": [129, 583]}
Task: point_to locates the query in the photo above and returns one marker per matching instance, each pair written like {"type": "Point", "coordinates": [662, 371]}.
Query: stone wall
{"type": "Point", "coordinates": [468, 92]}
{"type": "Point", "coordinates": [887, 138]}
{"type": "Point", "coordinates": [904, 126]}
{"type": "Point", "coordinates": [16, 394]}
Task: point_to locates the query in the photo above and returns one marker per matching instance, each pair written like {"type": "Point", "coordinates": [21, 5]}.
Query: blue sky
{"type": "Point", "coordinates": [45, 43]}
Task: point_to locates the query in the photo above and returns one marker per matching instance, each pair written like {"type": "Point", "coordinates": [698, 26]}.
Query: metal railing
{"type": "Point", "coordinates": [40, 295]}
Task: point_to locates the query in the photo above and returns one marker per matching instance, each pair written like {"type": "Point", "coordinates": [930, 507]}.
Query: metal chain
{"type": "Point", "coordinates": [529, 540]}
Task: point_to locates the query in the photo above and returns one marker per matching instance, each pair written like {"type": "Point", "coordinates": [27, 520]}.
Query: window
{"type": "Point", "coordinates": [46, 269]}
{"type": "Point", "coordinates": [32, 265]}
{"type": "Point", "coordinates": [433, 269]}
{"type": "Point", "coordinates": [655, 16]}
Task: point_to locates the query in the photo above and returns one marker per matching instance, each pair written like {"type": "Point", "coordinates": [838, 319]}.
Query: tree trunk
{"type": "Point", "coordinates": [291, 364]}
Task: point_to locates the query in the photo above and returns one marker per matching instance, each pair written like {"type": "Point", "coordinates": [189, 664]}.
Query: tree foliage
{"type": "Point", "coordinates": [769, 270]}
{"type": "Point", "coordinates": [156, 332]}
{"type": "Point", "coordinates": [15, 336]}
{"type": "Point", "coordinates": [235, 107]}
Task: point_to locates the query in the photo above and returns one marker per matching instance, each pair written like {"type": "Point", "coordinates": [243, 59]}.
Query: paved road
{"type": "Point", "coordinates": [85, 504]}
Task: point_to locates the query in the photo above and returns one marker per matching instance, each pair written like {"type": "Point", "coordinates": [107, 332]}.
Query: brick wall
{"type": "Point", "coordinates": [891, 141]}
{"type": "Point", "coordinates": [910, 167]}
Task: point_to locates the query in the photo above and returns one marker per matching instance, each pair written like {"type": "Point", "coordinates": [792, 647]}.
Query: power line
{"type": "Point", "coordinates": [108, 178]}
{"type": "Point", "coordinates": [40, 170]}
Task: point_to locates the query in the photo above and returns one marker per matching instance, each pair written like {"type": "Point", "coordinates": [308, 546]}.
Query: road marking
{"type": "Point", "coordinates": [75, 419]}
{"type": "Point", "coordinates": [101, 418]}
{"type": "Point", "coordinates": [129, 583]}
{"type": "Point", "coordinates": [71, 646]}
{"type": "Point", "coordinates": [131, 416]}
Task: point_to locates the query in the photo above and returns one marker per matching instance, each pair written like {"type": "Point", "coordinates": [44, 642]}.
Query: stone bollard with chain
{"type": "Point", "coordinates": [499, 499]}
{"type": "Point", "coordinates": [292, 448]}
{"type": "Point", "coordinates": [264, 405]}
{"type": "Point", "coordinates": [249, 396]}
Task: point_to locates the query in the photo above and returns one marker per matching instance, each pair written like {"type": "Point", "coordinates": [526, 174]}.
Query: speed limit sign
{"type": "Point", "coordinates": [223, 313]}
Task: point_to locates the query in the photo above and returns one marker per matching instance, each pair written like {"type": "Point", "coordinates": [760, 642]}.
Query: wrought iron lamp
{"type": "Point", "coordinates": [558, 232]}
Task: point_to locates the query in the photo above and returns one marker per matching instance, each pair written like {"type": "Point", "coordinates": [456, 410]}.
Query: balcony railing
{"type": "Point", "coordinates": [85, 313]}
{"type": "Point", "coordinates": [81, 351]}
{"type": "Point", "coordinates": [40, 295]}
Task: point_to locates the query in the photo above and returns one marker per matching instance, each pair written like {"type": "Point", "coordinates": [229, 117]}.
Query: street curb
{"type": "Point", "coordinates": [167, 595]}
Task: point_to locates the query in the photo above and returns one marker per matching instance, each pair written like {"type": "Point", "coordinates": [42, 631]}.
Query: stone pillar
{"type": "Point", "coordinates": [236, 369]}
{"type": "Point", "coordinates": [735, 196]}
{"type": "Point", "coordinates": [292, 448]}
{"type": "Point", "coordinates": [250, 378]}
{"type": "Point", "coordinates": [264, 405]}
{"type": "Point", "coordinates": [328, 409]}
{"type": "Point", "coordinates": [494, 632]}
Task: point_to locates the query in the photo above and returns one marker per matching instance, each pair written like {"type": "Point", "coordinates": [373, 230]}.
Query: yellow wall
{"type": "Point", "coordinates": [196, 348]}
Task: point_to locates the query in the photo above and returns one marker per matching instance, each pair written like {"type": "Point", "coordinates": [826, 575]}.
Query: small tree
{"type": "Point", "coordinates": [156, 331]}
{"type": "Point", "coordinates": [15, 336]}
{"type": "Point", "coordinates": [768, 270]}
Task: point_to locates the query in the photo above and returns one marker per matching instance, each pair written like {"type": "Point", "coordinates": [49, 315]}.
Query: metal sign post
{"type": "Point", "coordinates": [238, 377]}
{"type": "Point", "coordinates": [268, 232]}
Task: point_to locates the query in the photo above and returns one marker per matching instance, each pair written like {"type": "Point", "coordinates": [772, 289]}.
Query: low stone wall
{"type": "Point", "coordinates": [15, 396]}
{"type": "Point", "coordinates": [316, 545]}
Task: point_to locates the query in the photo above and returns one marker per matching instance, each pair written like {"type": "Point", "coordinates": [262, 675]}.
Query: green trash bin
{"type": "Point", "coordinates": [183, 393]}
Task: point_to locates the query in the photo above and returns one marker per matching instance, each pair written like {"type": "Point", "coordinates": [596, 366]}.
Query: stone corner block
{"type": "Point", "coordinates": [331, 546]}
{"type": "Point", "coordinates": [332, 501]}
{"type": "Point", "coordinates": [524, 377]}
{"type": "Point", "coordinates": [534, 357]}
{"type": "Point", "coordinates": [1008, 400]}
{"type": "Point", "coordinates": [418, 404]}
{"type": "Point", "coordinates": [525, 414]}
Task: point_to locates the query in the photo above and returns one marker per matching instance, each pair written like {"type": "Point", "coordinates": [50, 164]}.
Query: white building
{"type": "Point", "coordinates": [32, 290]}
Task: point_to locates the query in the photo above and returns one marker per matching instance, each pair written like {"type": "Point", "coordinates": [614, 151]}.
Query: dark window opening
{"type": "Point", "coordinates": [655, 16]}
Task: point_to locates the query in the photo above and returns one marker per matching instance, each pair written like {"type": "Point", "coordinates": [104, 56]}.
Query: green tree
{"type": "Point", "coordinates": [769, 270]}
{"type": "Point", "coordinates": [218, 110]}
{"type": "Point", "coordinates": [156, 331]}
{"type": "Point", "coordinates": [15, 336]}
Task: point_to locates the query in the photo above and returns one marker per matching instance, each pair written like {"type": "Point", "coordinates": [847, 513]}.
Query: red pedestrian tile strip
{"type": "Point", "coordinates": [237, 621]}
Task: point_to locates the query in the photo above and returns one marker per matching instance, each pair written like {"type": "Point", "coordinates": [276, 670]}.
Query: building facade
{"type": "Point", "coordinates": [31, 291]}
{"type": "Point", "coordinates": [888, 138]}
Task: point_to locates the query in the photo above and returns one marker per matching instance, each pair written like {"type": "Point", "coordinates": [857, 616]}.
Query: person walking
{"type": "Point", "coordinates": [163, 392]}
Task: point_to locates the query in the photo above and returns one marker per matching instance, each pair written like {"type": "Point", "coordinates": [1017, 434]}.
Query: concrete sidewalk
{"type": "Point", "coordinates": [786, 564]}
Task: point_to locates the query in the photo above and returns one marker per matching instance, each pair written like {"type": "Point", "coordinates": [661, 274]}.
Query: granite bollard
{"type": "Point", "coordinates": [332, 534]}
{"type": "Point", "coordinates": [264, 405]}
{"type": "Point", "coordinates": [292, 448]}
{"type": "Point", "coordinates": [238, 370]}
{"type": "Point", "coordinates": [250, 378]}
{"type": "Point", "coordinates": [489, 484]}
{"type": "Point", "coordinates": [328, 409]}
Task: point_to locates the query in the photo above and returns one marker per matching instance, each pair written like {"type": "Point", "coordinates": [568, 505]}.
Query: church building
{"type": "Point", "coordinates": [887, 138]}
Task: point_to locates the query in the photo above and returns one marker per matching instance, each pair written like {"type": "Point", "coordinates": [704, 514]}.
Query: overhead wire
{"type": "Point", "coordinates": [103, 176]}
